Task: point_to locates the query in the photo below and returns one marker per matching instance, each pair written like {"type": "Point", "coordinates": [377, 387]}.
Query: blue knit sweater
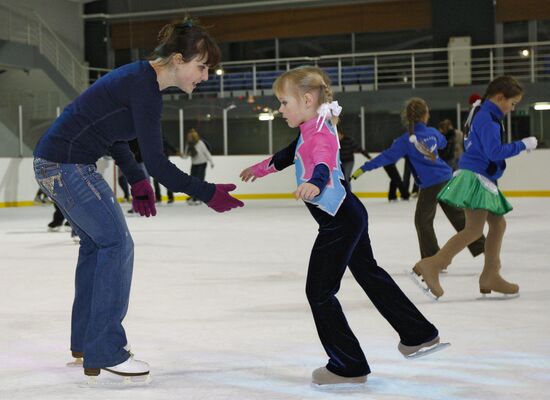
{"type": "Point", "coordinates": [122, 105]}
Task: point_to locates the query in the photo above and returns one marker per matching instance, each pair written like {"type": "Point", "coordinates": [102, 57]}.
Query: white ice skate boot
{"type": "Point", "coordinates": [323, 378]}
{"type": "Point", "coordinates": [132, 371]}
{"type": "Point", "coordinates": [422, 349]}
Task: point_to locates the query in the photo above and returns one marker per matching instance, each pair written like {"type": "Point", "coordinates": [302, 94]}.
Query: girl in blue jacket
{"type": "Point", "coordinates": [420, 145]}
{"type": "Point", "coordinates": [474, 188]}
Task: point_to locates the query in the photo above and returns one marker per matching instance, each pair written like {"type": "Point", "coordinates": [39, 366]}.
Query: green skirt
{"type": "Point", "coordinates": [473, 191]}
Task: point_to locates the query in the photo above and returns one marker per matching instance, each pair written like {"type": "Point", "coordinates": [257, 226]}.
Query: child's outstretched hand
{"type": "Point", "coordinates": [248, 174]}
{"type": "Point", "coordinates": [357, 173]}
{"type": "Point", "coordinates": [306, 191]}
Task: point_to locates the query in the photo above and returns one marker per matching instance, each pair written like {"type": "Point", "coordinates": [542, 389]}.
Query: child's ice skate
{"type": "Point", "coordinates": [422, 349]}
{"type": "Point", "coordinates": [323, 378]}
{"type": "Point", "coordinates": [491, 281]}
{"type": "Point", "coordinates": [430, 277]}
{"type": "Point", "coordinates": [130, 372]}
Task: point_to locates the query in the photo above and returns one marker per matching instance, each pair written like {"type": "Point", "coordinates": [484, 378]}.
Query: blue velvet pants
{"type": "Point", "coordinates": [343, 241]}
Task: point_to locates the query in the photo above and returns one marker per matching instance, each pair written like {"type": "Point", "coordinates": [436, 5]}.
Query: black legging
{"type": "Point", "coordinates": [199, 172]}
{"type": "Point", "coordinates": [395, 183]}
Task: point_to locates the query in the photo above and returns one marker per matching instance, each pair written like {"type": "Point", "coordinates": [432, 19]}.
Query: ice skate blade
{"type": "Point", "coordinates": [417, 281]}
{"type": "Point", "coordinates": [497, 296]}
{"type": "Point", "coordinates": [429, 350]}
{"type": "Point", "coordinates": [113, 380]}
{"type": "Point", "coordinates": [335, 387]}
{"type": "Point", "coordinates": [77, 362]}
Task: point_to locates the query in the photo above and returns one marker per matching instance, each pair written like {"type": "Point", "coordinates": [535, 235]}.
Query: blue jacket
{"type": "Point", "coordinates": [426, 172]}
{"type": "Point", "coordinates": [124, 104]}
{"type": "Point", "coordinates": [484, 152]}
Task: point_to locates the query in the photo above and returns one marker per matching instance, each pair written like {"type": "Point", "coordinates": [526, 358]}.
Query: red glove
{"type": "Point", "coordinates": [143, 198]}
{"type": "Point", "coordinates": [222, 200]}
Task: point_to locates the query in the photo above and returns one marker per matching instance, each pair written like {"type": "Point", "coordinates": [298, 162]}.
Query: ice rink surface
{"type": "Point", "coordinates": [219, 311]}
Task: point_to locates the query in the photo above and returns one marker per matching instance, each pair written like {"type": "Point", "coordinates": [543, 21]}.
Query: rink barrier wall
{"type": "Point", "coordinates": [526, 176]}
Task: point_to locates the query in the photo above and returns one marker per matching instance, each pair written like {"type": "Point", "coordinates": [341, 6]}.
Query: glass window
{"type": "Point", "coordinates": [515, 32]}
{"type": "Point", "coordinates": [252, 50]}
{"type": "Point", "coordinates": [385, 41]}
{"type": "Point", "coordinates": [543, 28]}
{"type": "Point", "coordinates": [315, 46]}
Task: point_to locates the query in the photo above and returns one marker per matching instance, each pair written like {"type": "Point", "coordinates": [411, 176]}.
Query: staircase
{"type": "Point", "coordinates": [27, 42]}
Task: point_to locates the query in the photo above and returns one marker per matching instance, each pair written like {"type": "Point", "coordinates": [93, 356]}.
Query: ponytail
{"type": "Point", "coordinates": [414, 111]}
{"type": "Point", "coordinates": [473, 111]}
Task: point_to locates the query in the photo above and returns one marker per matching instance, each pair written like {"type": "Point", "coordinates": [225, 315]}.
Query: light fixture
{"type": "Point", "coordinates": [542, 106]}
{"type": "Point", "coordinates": [524, 53]}
{"type": "Point", "coordinates": [219, 71]}
{"type": "Point", "coordinates": [266, 116]}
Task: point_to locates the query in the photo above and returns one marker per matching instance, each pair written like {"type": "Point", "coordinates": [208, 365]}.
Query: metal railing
{"type": "Point", "coordinates": [528, 62]}
{"type": "Point", "coordinates": [26, 26]}
{"type": "Point", "coordinates": [456, 66]}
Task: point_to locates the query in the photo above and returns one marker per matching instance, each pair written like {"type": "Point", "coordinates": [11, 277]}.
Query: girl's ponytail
{"type": "Point", "coordinates": [414, 111]}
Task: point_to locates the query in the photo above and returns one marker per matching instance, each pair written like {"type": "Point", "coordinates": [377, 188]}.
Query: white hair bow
{"type": "Point", "coordinates": [327, 110]}
{"type": "Point", "coordinates": [471, 114]}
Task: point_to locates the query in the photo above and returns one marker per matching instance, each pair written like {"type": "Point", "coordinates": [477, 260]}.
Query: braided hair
{"type": "Point", "coordinates": [306, 79]}
{"type": "Point", "coordinates": [415, 110]}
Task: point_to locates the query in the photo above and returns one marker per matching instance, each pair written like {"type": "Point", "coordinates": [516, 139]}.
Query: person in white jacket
{"type": "Point", "coordinates": [200, 156]}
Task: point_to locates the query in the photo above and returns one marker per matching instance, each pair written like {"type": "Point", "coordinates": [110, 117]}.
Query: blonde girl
{"type": "Point", "coordinates": [343, 239]}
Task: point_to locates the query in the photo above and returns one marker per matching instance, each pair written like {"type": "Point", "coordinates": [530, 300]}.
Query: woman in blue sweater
{"type": "Point", "coordinates": [122, 105]}
{"type": "Point", "coordinates": [420, 145]}
{"type": "Point", "coordinates": [474, 188]}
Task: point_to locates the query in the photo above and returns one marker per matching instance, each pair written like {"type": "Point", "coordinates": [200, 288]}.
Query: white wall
{"type": "Point", "coordinates": [527, 172]}
{"type": "Point", "coordinates": [35, 80]}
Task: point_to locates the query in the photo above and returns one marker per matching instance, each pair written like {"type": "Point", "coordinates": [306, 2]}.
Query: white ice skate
{"type": "Point", "coordinates": [420, 283]}
{"type": "Point", "coordinates": [423, 349]}
{"type": "Point", "coordinates": [130, 372]}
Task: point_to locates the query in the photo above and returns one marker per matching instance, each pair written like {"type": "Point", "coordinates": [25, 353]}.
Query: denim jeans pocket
{"type": "Point", "coordinates": [49, 176]}
{"type": "Point", "coordinates": [92, 178]}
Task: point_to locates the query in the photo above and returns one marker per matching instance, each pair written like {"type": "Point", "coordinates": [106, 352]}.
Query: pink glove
{"type": "Point", "coordinates": [222, 200]}
{"type": "Point", "coordinates": [143, 198]}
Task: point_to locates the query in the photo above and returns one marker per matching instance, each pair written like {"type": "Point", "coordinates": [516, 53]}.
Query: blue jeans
{"type": "Point", "coordinates": [105, 259]}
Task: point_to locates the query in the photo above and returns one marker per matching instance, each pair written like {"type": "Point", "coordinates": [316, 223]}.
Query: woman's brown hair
{"type": "Point", "coordinates": [190, 40]}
